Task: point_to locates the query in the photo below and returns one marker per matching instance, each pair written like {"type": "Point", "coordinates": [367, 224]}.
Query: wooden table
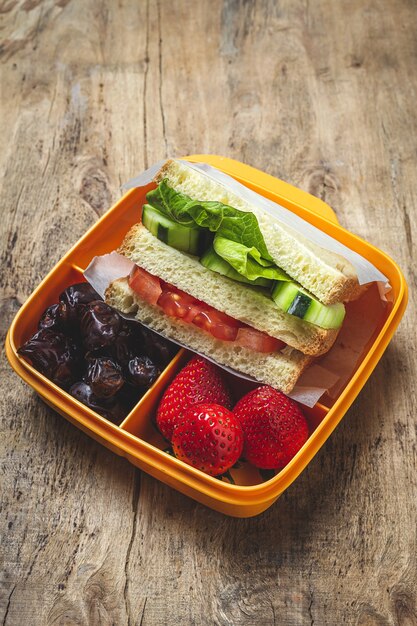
{"type": "Point", "coordinates": [321, 94]}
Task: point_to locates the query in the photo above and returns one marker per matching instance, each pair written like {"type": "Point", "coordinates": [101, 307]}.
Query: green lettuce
{"type": "Point", "coordinates": [238, 238]}
{"type": "Point", "coordinates": [226, 221]}
{"type": "Point", "coordinates": [247, 261]}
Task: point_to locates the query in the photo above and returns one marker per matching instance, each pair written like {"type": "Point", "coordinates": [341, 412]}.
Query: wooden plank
{"type": "Point", "coordinates": [320, 94]}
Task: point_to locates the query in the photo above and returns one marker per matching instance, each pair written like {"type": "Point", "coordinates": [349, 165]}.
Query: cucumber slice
{"type": "Point", "coordinates": [214, 262]}
{"type": "Point", "coordinates": [191, 240]}
{"type": "Point", "coordinates": [294, 300]}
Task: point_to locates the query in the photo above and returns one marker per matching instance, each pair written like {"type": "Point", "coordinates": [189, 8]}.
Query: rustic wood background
{"type": "Point", "coordinates": [320, 93]}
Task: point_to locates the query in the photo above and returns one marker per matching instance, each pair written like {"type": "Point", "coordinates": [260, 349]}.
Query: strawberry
{"type": "Point", "coordinates": [273, 425]}
{"type": "Point", "coordinates": [199, 381]}
{"type": "Point", "coordinates": [208, 437]}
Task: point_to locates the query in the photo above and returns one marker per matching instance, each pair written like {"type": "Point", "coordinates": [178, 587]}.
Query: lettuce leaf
{"type": "Point", "coordinates": [226, 221]}
{"type": "Point", "coordinates": [247, 260]}
{"type": "Point", "coordinates": [238, 238]}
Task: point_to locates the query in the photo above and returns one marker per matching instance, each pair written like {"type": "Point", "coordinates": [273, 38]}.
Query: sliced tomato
{"type": "Point", "coordinates": [177, 303]}
{"type": "Point", "coordinates": [256, 340]}
{"type": "Point", "coordinates": [146, 285]}
{"type": "Point", "coordinates": [193, 310]}
{"type": "Point", "coordinates": [217, 324]}
{"type": "Point", "coordinates": [172, 304]}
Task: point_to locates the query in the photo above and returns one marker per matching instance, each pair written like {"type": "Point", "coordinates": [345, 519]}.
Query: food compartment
{"type": "Point", "coordinates": [105, 384]}
{"type": "Point", "coordinates": [105, 236]}
{"type": "Point", "coordinates": [141, 422]}
{"type": "Point", "coordinates": [363, 324]}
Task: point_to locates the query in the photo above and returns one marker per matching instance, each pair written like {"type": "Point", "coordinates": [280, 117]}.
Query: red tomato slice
{"type": "Point", "coordinates": [258, 341]}
{"type": "Point", "coordinates": [145, 285]}
{"type": "Point", "coordinates": [217, 324]}
{"type": "Point", "coordinates": [179, 304]}
{"type": "Point", "coordinates": [193, 310]}
{"type": "Point", "coordinates": [172, 304]}
{"type": "Point", "coordinates": [176, 303]}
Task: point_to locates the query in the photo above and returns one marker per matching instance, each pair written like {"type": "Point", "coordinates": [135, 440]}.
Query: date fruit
{"type": "Point", "coordinates": [51, 318]}
{"type": "Point", "coordinates": [104, 376]}
{"type": "Point", "coordinates": [54, 355]}
{"type": "Point", "coordinates": [110, 409]}
{"type": "Point", "coordinates": [100, 325]}
{"type": "Point", "coordinates": [142, 371]}
{"type": "Point", "coordinates": [158, 348]}
{"type": "Point", "coordinates": [72, 302]}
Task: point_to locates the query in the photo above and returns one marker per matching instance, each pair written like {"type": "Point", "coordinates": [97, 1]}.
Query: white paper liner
{"type": "Point", "coordinates": [329, 373]}
{"type": "Point", "coordinates": [365, 270]}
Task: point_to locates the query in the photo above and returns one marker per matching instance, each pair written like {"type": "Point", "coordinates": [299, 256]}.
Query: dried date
{"type": "Point", "coordinates": [51, 318]}
{"type": "Point", "coordinates": [54, 355]}
{"type": "Point", "coordinates": [72, 302]}
{"type": "Point", "coordinates": [104, 376]}
{"type": "Point", "coordinates": [110, 409]}
{"type": "Point", "coordinates": [142, 371]}
{"type": "Point", "coordinates": [100, 325]}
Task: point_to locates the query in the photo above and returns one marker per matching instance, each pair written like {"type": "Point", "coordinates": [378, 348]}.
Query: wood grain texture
{"type": "Point", "coordinates": [322, 94]}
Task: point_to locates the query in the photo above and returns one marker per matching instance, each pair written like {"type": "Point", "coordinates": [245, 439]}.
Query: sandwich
{"type": "Point", "coordinates": [222, 277]}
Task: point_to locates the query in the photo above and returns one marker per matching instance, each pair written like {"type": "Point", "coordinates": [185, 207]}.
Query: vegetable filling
{"type": "Point", "coordinates": [229, 241]}
{"type": "Point", "coordinates": [178, 304]}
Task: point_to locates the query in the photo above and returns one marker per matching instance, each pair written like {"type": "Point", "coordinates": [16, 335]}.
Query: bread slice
{"type": "Point", "coordinates": [327, 275]}
{"type": "Point", "coordinates": [244, 303]}
{"type": "Point", "coordinates": [279, 369]}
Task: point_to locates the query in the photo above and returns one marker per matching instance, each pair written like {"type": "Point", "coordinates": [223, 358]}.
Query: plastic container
{"type": "Point", "coordinates": [136, 438]}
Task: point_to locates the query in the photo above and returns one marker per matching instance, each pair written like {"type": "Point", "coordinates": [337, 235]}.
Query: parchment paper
{"type": "Point", "coordinates": [365, 270]}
